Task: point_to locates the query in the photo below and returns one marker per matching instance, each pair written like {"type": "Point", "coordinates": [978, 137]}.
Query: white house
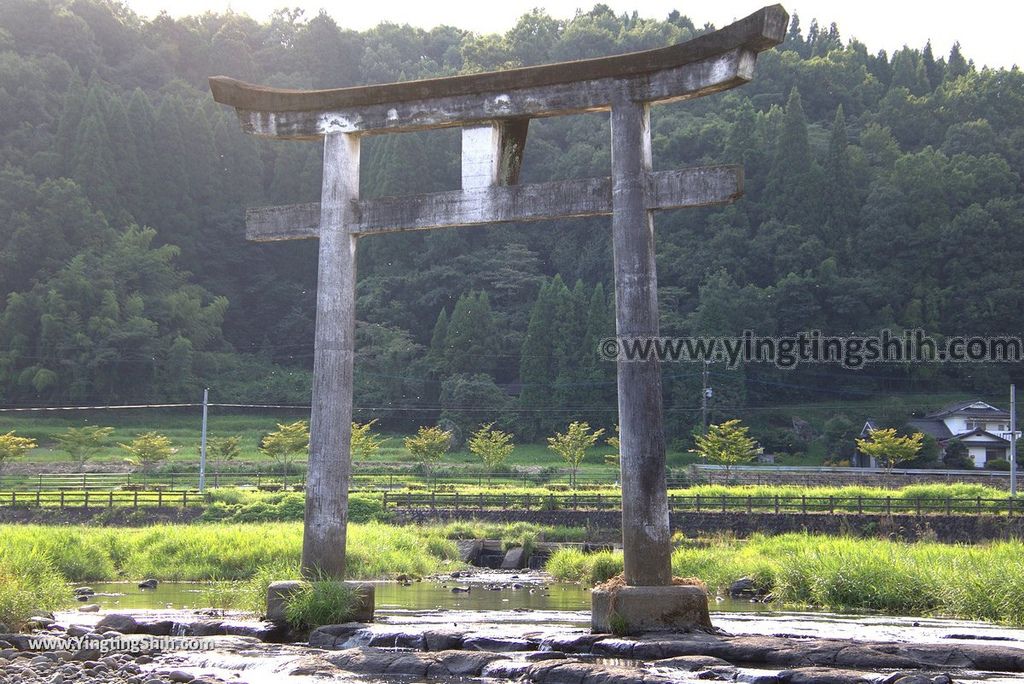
{"type": "Point", "coordinates": [982, 428]}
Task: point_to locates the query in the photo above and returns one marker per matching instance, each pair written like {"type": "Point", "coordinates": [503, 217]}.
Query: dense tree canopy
{"type": "Point", "coordinates": [882, 191]}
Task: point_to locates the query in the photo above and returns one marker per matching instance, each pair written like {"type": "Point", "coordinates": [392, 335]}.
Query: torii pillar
{"type": "Point", "coordinates": [494, 110]}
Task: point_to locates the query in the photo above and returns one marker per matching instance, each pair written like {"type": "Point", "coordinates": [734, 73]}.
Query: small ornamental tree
{"type": "Point", "coordinates": [889, 448]}
{"type": "Point", "coordinates": [285, 443]}
{"type": "Point", "coordinates": [492, 446]}
{"type": "Point", "coordinates": [428, 446]}
{"type": "Point", "coordinates": [726, 444]}
{"type": "Point", "coordinates": [364, 444]}
{"type": "Point", "coordinates": [223, 450]}
{"type": "Point", "coordinates": [572, 445]}
{"type": "Point", "coordinates": [12, 447]}
{"type": "Point", "coordinates": [83, 443]}
{"type": "Point", "coordinates": [148, 450]}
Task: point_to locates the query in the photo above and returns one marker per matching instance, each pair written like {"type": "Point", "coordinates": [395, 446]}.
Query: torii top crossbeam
{"type": "Point", "coordinates": [707, 64]}
{"type": "Point", "coordinates": [494, 110]}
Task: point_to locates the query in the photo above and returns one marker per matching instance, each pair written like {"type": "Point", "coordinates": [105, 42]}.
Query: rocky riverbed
{"type": "Point", "coordinates": [537, 646]}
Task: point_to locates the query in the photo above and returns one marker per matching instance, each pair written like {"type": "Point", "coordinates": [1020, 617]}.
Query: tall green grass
{"type": "Point", "coordinates": [230, 551]}
{"type": "Point", "coordinates": [841, 573]}
{"type": "Point", "coordinates": [28, 582]}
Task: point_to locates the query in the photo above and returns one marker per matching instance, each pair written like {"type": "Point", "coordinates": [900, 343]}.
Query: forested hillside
{"type": "Point", "coordinates": [883, 191]}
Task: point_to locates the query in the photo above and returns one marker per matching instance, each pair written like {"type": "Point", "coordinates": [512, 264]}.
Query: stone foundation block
{"type": "Point", "coordinates": [278, 594]}
{"type": "Point", "coordinates": [633, 610]}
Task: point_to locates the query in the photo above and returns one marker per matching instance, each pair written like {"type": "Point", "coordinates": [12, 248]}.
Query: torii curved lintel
{"type": "Point", "coordinates": [711, 62]}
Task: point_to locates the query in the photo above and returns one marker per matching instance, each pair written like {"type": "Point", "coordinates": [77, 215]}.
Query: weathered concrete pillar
{"type": "Point", "coordinates": [645, 521]}
{"type": "Point", "coordinates": [323, 542]}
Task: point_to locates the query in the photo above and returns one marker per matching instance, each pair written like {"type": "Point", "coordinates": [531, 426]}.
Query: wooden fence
{"type": "Point", "coordinates": [455, 501]}
{"type": "Point", "coordinates": [85, 498]}
{"type": "Point", "coordinates": [709, 504]}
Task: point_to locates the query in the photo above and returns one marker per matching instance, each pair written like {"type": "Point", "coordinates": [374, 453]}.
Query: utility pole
{"type": "Point", "coordinates": [1013, 440]}
{"type": "Point", "coordinates": [202, 442]}
{"type": "Point", "coordinates": [705, 394]}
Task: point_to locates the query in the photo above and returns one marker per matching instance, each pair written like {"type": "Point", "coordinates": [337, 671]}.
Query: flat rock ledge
{"type": "Point", "coordinates": [573, 657]}
{"type": "Point", "coordinates": [581, 658]}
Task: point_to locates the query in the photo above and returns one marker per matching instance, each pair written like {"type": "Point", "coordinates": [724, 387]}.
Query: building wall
{"type": "Point", "coordinates": [958, 425]}
{"type": "Point", "coordinates": [977, 453]}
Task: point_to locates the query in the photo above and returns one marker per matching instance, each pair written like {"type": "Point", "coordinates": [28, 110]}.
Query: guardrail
{"type": "Point", "coordinates": [707, 504]}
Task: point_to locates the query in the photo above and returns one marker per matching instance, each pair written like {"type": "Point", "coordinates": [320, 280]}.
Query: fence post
{"type": "Point", "coordinates": [160, 498]}
{"type": "Point", "coordinates": [85, 503]}
{"type": "Point", "coordinates": [949, 506]}
{"type": "Point", "coordinates": [979, 505]}
{"type": "Point", "coordinates": [135, 499]}
{"type": "Point", "coordinates": [526, 502]}
{"type": "Point", "coordinates": [184, 498]}
{"type": "Point", "coordinates": [888, 505]}
{"type": "Point", "coordinates": [860, 505]}
{"type": "Point", "coordinates": [917, 502]}
{"type": "Point", "coordinates": [1009, 509]}
{"type": "Point", "coordinates": [62, 498]}
{"type": "Point", "coordinates": [110, 500]}
{"type": "Point", "coordinates": [456, 500]}
{"type": "Point", "coordinates": [698, 503]}
{"type": "Point", "coordinates": [803, 503]}
{"type": "Point", "coordinates": [750, 504]}
{"type": "Point", "coordinates": [776, 504]}
{"type": "Point", "coordinates": [723, 503]}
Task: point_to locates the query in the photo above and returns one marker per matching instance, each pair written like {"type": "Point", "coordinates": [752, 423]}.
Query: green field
{"type": "Point", "coordinates": [184, 431]}
{"type": "Point", "coordinates": [182, 426]}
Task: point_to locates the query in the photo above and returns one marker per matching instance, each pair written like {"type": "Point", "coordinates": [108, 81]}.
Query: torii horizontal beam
{"type": "Point", "coordinates": [703, 186]}
{"type": "Point", "coordinates": [707, 64]}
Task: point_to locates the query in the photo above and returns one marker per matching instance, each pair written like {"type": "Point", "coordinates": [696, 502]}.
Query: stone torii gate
{"type": "Point", "coordinates": [494, 111]}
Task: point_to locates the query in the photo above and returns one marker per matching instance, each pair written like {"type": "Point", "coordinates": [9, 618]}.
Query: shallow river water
{"type": "Point", "coordinates": [530, 604]}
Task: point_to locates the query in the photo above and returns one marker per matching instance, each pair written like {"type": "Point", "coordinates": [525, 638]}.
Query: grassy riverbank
{"type": "Point", "coordinates": [839, 573]}
{"type": "Point", "coordinates": [38, 561]}
{"type": "Point", "coordinates": [843, 574]}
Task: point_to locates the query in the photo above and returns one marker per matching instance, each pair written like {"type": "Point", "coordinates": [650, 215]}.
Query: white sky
{"type": "Point", "coordinates": [988, 31]}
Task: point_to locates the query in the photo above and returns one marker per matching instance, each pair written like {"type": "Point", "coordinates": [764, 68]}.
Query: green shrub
{"type": "Point", "coordinates": [997, 464]}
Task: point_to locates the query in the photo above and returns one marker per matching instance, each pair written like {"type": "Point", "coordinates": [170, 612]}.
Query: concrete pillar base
{"type": "Point", "coordinates": [632, 610]}
{"type": "Point", "coordinates": [279, 592]}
